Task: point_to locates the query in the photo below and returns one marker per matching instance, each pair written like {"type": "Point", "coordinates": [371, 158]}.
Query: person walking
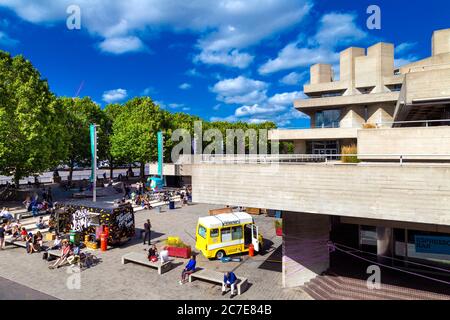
{"type": "Point", "coordinates": [2, 236]}
{"type": "Point", "coordinates": [49, 195]}
{"type": "Point", "coordinates": [229, 280]}
{"type": "Point", "coordinates": [147, 231]}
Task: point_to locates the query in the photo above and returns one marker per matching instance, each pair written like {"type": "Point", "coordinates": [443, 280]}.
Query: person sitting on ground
{"type": "Point", "coordinates": [153, 253]}
{"type": "Point", "coordinates": [164, 255]}
{"type": "Point", "coordinates": [229, 280]}
{"type": "Point", "coordinates": [189, 269]}
{"type": "Point", "coordinates": [65, 253]}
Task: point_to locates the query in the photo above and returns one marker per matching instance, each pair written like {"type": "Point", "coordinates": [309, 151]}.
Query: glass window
{"type": "Point", "coordinates": [328, 118]}
{"type": "Point", "coordinates": [225, 234]}
{"type": "Point", "coordinates": [202, 231]}
{"type": "Point", "coordinates": [214, 233]}
{"type": "Point", "coordinates": [236, 233]}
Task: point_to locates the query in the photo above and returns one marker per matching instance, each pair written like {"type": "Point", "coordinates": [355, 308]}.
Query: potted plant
{"type": "Point", "coordinates": [279, 227]}
{"type": "Point", "coordinates": [178, 249]}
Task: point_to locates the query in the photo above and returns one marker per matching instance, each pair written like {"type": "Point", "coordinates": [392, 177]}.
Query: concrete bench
{"type": "Point", "coordinates": [18, 243]}
{"type": "Point", "coordinates": [217, 277]}
{"type": "Point", "coordinates": [54, 253]}
{"type": "Point", "coordinates": [142, 259]}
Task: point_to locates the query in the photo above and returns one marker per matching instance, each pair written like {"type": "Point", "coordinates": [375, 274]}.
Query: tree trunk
{"type": "Point", "coordinates": [142, 173]}
{"type": "Point", "coordinates": [111, 169]}
{"type": "Point", "coordinates": [16, 179]}
{"type": "Point", "coordinates": [71, 171]}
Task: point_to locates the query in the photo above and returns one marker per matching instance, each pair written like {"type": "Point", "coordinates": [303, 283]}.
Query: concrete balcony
{"type": "Point", "coordinates": [412, 193]}
{"type": "Point", "coordinates": [333, 102]}
{"type": "Point", "coordinates": [313, 134]}
{"type": "Point", "coordinates": [414, 143]}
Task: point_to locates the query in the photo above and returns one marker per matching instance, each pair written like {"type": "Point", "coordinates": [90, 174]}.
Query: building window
{"type": "Point", "coordinates": [236, 233]}
{"type": "Point", "coordinates": [328, 118]}
{"type": "Point", "coordinates": [226, 234]}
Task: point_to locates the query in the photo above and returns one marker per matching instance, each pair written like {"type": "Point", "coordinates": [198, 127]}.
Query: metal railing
{"type": "Point", "coordinates": [426, 122]}
{"type": "Point", "coordinates": [320, 158]}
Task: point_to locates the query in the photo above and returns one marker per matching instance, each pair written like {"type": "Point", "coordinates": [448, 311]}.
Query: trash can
{"type": "Point", "coordinates": [74, 237]}
{"type": "Point", "coordinates": [171, 204]}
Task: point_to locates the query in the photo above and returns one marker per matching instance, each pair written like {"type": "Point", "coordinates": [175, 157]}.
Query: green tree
{"type": "Point", "coordinates": [32, 134]}
{"type": "Point", "coordinates": [80, 113]}
{"type": "Point", "coordinates": [134, 131]}
{"type": "Point", "coordinates": [111, 111]}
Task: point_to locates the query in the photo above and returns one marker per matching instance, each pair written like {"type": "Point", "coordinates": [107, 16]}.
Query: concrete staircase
{"type": "Point", "coordinates": [331, 286]}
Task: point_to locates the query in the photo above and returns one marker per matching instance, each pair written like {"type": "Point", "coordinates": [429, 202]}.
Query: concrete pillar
{"type": "Point", "coordinates": [305, 251]}
{"type": "Point", "coordinates": [299, 146]}
{"type": "Point", "coordinates": [384, 242]}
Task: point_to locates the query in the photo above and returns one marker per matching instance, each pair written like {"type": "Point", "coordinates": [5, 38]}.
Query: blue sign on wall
{"type": "Point", "coordinates": [431, 244]}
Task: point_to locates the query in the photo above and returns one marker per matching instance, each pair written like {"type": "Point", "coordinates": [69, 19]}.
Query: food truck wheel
{"type": "Point", "coordinates": [220, 254]}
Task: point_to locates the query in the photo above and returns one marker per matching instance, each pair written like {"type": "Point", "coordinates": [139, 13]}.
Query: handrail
{"type": "Point", "coordinates": [414, 121]}
{"type": "Point", "coordinates": [283, 158]}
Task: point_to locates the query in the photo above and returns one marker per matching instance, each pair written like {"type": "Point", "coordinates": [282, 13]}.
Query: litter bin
{"type": "Point", "coordinates": [171, 205]}
{"type": "Point", "coordinates": [74, 237]}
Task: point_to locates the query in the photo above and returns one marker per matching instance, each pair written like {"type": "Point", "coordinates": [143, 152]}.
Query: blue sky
{"type": "Point", "coordinates": [230, 59]}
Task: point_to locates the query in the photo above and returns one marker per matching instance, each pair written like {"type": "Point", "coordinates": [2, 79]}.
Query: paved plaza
{"type": "Point", "coordinates": [112, 280]}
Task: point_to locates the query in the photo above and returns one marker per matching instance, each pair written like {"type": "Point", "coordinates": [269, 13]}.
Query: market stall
{"type": "Point", "coordinates": [89, 220]}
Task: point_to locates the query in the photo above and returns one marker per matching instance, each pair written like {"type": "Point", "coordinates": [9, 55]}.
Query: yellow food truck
{"type": "Point", "coordinates": [226, 234]}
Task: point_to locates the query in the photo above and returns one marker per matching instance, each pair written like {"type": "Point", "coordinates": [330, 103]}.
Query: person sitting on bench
{"type": "Point", "coordinates": [41, 225]}
{"type": "Point", "coordinates": [153, 254]}
{"type": "Point", "coordinates": [65, 253]}
{"type": "Point", "coordinates": [164, 255]}
{"type": "Point", "coordinates": [189, 269]}
{"type": "Point", "coordinates": [229, 280]}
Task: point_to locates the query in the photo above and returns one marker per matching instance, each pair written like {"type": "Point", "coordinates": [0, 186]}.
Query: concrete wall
{"type": "Point", "coordinates": [313, 134]}
{"type": "Point", "coordinates": [305, 251]}
{"type": "Point", "coordinates": [441, 41]}
{"type": "Point", "coordinates": [412, 193]}
{"type": "Point", "coordinates": [432, 143]}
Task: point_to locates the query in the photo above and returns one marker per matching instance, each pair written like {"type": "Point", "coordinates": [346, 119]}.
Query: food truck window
{"type": "Point", "coordinates": [214, 233]}
{"type": "Point", "coordinates": [236, 233]}
{"type": "Point", "coordinates": [226, 234]}
{"type": "Point", "coordinates": [202, 231]}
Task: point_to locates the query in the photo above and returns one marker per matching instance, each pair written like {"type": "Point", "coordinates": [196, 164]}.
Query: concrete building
{"type": "Point", "coordinates": [392, 203]}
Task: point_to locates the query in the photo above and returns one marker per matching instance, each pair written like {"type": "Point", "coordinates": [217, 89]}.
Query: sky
{"type": "Point", "coordinates": [233, 60]}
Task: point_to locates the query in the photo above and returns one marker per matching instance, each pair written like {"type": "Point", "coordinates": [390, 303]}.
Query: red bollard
{"type": "Point", "coordinates": [103, 242]}
{"type": "Point", "coordinates": [251, 250]}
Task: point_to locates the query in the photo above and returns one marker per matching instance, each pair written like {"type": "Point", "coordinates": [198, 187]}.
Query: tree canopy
{"type": "Point", "coordinates": [32, 131]}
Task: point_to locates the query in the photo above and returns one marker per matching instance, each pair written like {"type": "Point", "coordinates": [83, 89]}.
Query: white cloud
{"type": "Point", "coordinates": [257, 109]}
{"type": "Point", "coordinates": [6, 40]}
{"type": "Point", "coordinates": [231, 59]}
{"type": "Point", "coordinates": [334, 29]}
{"type": "Point", "coordinates": [338, 29]}
{"type": "Point", "coordinates": [293, 78]}
{"type": "Point", "coordinates": [286, 98]}
{"type": "Point", "coordinates": [148, 91]}
{"type": "Point", "coordinates": [240, 90]}
{"type": "Point", "coordinates": [115, 95]}
{"type": "Point", "coordinates": [221, 26]}
{"type": "Point", "coordinates": [404, 47]}
{"type": "Point", "coordinates": [122, 45]}
{"type": "Point", "coordinates": [184, 86]}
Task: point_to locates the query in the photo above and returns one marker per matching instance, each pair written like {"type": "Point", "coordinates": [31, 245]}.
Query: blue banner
{"type": "Point", "coordinates": [92, 134]}
{"type": "Point", "coordinates": [432, 244]}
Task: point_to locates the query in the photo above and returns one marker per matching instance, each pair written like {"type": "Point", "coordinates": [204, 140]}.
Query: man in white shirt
{"type": "Point", "coordinates": [164, 255]}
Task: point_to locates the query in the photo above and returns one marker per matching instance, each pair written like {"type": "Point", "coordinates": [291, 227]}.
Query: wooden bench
{"type": "Point", "coordinates": [217, 277]}
{"type": "Point", "coordinates": [142, 259]}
